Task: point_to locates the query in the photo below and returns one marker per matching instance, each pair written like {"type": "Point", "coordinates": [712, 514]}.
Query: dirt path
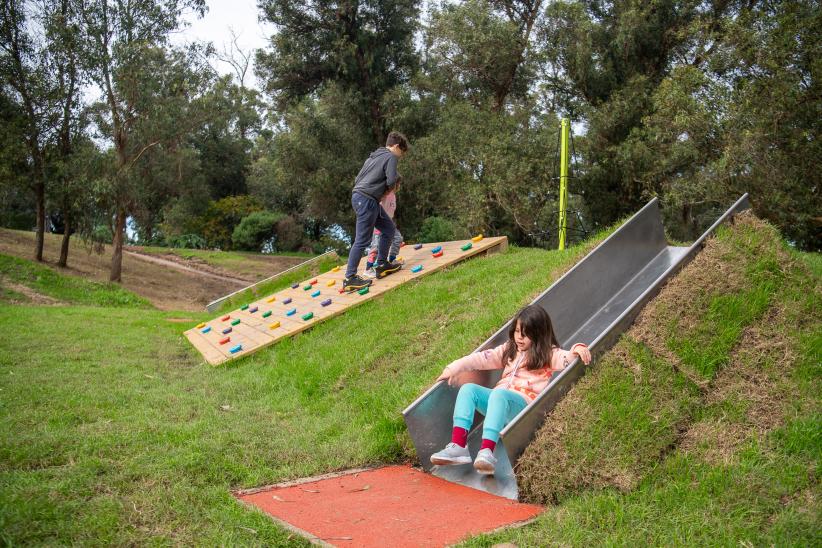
{"type": "Point", "coordinates": [173, 286]}
{"type": "Point", "coordinates": [175, 264]}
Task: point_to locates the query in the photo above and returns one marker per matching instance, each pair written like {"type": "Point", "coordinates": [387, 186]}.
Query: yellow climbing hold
{"type": "Point", "coordinates": [331, 282]}
{"type": "Point", "coordinates": [274, 325]}
{"type": "Point", "coordinates": [335, 269]}
{"type": "Point", "coordinates": [200, 325]}
{"type": "Point", "coordinates": [271, 299]}
{"type": "Point", "coordinates": [476, 238]}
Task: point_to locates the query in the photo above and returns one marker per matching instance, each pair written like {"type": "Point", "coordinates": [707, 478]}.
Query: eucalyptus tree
{"type": "Point", "coordinates": [146, 94]}
{"type": "Point", "coordinates": [41, 73]}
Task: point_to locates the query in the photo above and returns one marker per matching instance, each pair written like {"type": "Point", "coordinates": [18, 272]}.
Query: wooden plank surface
{"type": "Point", "coordinates": [254, 331]}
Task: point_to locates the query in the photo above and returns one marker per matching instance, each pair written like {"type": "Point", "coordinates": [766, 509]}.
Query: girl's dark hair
{"type": "Point", "coordinates": [535, 324]}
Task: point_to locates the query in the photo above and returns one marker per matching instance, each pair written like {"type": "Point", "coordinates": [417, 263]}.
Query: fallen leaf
{"type": "Point", "coordinates": [275, 497]}
{"type": "Point", "coordinates": [310, 490]}
{"type": "Point", "coordinates": [337, 538]}
{"type": "Point", "coordinates": [150, 377]}
{"type": "Point", "coordinates": [225, 407]}
{"type": "Point", "coordinates": [366, 488]}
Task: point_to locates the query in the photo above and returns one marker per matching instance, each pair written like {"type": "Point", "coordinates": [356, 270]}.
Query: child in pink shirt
{"type": "Point", "coordinates": [389, 204]}
{"type": "Point", "coordinates": [528, 359]}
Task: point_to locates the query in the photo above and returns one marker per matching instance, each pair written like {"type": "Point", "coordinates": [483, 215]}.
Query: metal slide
{"type": "Point", "coordinates": [593, 303]}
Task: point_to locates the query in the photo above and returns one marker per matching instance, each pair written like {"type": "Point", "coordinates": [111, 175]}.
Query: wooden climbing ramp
{"type": "Point", "coordinates": [289, 311]}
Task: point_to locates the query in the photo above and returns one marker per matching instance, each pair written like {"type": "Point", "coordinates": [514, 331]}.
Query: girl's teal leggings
{"type": "Point", "coordinates": [499, 406]}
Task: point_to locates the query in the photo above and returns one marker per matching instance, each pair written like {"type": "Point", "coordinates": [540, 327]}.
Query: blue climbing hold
{"type": "Point", "coordinates": [291, 312]}
{"type": "Point", "coordinates": [206, 330]}
{"type": "Point", "coordinates": [416, 268]}
{"type": "Point", "coordinates": [236, 349]}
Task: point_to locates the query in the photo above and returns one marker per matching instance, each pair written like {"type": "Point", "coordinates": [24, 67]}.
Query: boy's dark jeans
{"type": "Point", "coordinates": [370, 215]}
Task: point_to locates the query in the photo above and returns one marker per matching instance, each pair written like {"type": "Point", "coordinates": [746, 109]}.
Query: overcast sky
{"type": "Point", "coordinates": [223, 15]}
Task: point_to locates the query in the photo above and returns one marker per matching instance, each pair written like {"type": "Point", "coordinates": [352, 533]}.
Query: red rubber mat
{"type": "Point", "coordinates": [390, 506]}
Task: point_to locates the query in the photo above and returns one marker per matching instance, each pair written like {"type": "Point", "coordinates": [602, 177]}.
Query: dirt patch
{"type": "Point", "coordinates": [166, 287]}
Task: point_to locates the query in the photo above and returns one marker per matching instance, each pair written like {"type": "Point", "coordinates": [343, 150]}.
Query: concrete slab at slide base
{"type": "Point", "coordinates": [270, 320]}
{"type": "Point", "coordinates": [392, 506]}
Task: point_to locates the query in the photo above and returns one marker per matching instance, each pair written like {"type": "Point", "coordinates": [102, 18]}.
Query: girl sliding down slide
{"type": "Point", "coordinates": [529, 358]}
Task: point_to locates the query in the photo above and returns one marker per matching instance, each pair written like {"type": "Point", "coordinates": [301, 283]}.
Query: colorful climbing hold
{"type": "Point", "coordinates": [223, 341]}
{"type": "Point", "coordinates": [295, 286]}
{"type": "Point", "coordinates": [335, 269]}
{"type": "Point", "coordinates": [476, 238]}
{"type": "Point", "coordinates": [271, 299]}
{"type": "Point", "coordinates": [286, 301]}
{"type": "Point", "coordinates": [306, 287]}
{"type": "Point", "coordinates": [313, 282]}
{"type": "Point", "coordinates": [308, 316]}
{"type": "Point", "coordinates": [329, 283]}
{"type": "Point", "coordinates": [200, 325]}
{"type": "Point", "coordinates": [418, 246]}
{"type": "Point", "coordinates": [416, 269]}
{"type": "Point", "coordinates": [274, 325]}
{"type": "Point", "coordinates": [316, 293]}
{"type": "Point", "coordinates": [235, 322]}
{"type": "Point", "coordinates": [341, 291]}
{"type": "Point", "coordinates": [326, 302]}
{"type": "Point", "coordinates": [206, 330]}
{"type": "Point", "coordinates": [266, 314]}
{"type": "Point", "coordinates": [253, 310]}
{"type": "Point", "coordinates": [226, 331]}
{"type": "Point", "coordinates": [437, 249]}
{"type": "Point", "coordinates": [226, 318]}
{"type": "Point", "coordinates": [236, 349]}
{"type": "Point", "coordinates": [363, 291]}
{"type": "Point", "coordinates": [291, 312]}
{"type": "Point", "coordinates": [244, 307]}
{"type": "Point", "coordinates": [467, 246]}
{"type": "Point", "coordinates": [437, 254]}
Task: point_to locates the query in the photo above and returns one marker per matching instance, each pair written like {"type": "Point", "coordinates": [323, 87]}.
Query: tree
{"type": "Point", "coordinates": [365, 47]}
{"type": "Point", "coordinates": [146, 91]}
{"type": "Point", "coordinates": [41, 73]}
{"type": "Point", "coordinates": [480, 49]}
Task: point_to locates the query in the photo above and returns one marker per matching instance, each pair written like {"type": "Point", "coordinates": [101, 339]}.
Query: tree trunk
{"type": "Point", "coordinates": [117, 255]}
{"type": "Point", "coordinates": [40, 197]}
{"type": "Point", "coordinates": [64, 247]}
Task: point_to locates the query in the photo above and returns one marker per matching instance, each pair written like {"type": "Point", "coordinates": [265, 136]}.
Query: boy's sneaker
{"type": "Point", "coordinates": [355, 282]}
{"type": "Point", "coordinates": [452, 454]}
{"type": "Point", "coordinates": [486, 462]}
{"type": "Point", "coordinates": [369, 273]}
{"type": "Point", "coordinates": [385, 268]}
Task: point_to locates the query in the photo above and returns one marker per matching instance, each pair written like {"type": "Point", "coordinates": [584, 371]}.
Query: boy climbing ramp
{"type": "Point", "coordinates": [377, 177]}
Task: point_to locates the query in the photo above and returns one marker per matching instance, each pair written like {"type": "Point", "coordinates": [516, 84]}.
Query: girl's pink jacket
{"type": "Point", "coordinates": [525, 382]}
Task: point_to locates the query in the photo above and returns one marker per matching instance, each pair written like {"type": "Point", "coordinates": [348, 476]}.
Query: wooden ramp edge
{"type": "Point", "coordinates": [287, 312]}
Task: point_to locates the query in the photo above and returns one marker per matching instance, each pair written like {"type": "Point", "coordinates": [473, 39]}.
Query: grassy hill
{"type": "Point", "coordinates": [116, 432]}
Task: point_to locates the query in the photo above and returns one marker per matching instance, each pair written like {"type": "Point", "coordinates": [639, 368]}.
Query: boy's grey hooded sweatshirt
{"type": "Point", "coordinates": [378, 174]}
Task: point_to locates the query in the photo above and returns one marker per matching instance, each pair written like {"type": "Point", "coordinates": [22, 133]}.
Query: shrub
{"type": "Point", "coordinates": [223, 216]}
{"type": "Point", "coordinates": [256, 230]}
{"type": "Point", "coordinates": [437, 229]}
{"type": "Point", "coordinates": [187, 241]}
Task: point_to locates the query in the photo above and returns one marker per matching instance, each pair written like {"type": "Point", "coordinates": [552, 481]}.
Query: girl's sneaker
{"type": "Point", "coordinates": [486, 462]}
{"type": "Point", "coordinates": [369, 273]}
{"type": "Point", "coordinates": [452, 454]}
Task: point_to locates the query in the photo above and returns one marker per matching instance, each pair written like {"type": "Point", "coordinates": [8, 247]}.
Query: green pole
{"type": "Point", "coordinates": [564, 156]}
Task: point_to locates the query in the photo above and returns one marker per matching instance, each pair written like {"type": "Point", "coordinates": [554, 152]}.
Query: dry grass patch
{"type": "Point", "coordinates": [613, 426]}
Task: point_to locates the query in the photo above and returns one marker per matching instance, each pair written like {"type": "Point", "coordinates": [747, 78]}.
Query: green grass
{"type": "Point", "coordinates": [68, 289]}
{"type": "Point", "coordinates": [281, 282]}
{"type": "Point", "coordinates": [114, 431]}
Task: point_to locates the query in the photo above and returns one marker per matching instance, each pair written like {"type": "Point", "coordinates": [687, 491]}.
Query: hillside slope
{"type": "Point", "coordinates": [176, 280]}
